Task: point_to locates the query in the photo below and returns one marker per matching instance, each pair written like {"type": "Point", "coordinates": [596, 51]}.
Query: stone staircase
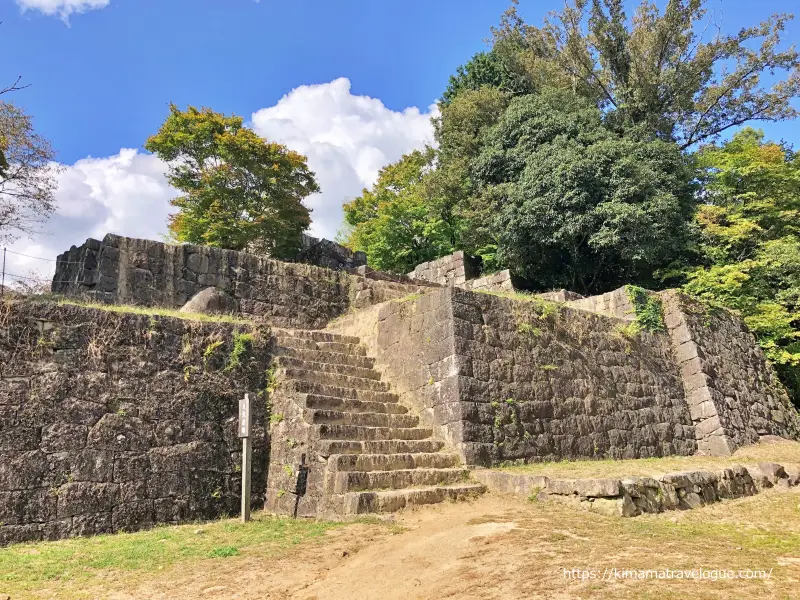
{"type": "Point", "coordinates": [364, 452]}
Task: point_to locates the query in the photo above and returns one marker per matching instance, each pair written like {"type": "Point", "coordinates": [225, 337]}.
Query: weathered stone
{"type": "Point", "coordinates": [774, 472]}
{"type": "Point", "coordinates": [211, 300]}
{"type": "Point", "coordinates": [64, 436]}
{"type": "Point", "coordinates": [83, 497]}
{"type": "Point", "coordinates": [76, 460]}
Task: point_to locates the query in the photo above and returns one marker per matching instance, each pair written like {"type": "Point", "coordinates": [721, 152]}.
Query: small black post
{"type": "Point", "coordinates": [302, 483]}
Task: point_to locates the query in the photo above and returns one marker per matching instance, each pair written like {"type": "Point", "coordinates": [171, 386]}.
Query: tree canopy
{"type": "Point", "coordinates": [579, 206]}
{"type": "Point", "coordinates": [584, 153]}
{"type": "Point", "coordinates": [27, 175]}
{"type": "Point", "coordinates": [658, 73]}
{"type": "Point", "coordinates": [750, 243]}
{"type": "Point", "coordinates": [238, 190]}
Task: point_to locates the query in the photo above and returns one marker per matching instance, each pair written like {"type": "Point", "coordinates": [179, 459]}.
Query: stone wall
{"type": "Point", "coordinates": [451, 270]}
{"type": "Point", "coordinates": [611, 304]}
{"type": "Point", "coordinates": [123, 270]}
{"type": "Point", "coordinates": [115, 421]}
{"type": "Point", "coordinates": [541, 381]}
{"type": "Point", "coordinates": [328, 254]}
{"type": "Point", "coordinates": [502, 281]}
{"type": "Point", "coordinates": [633, 496]}
{"type": "Point", "coordinates": [732, 391]}
{"type": "Point", "coordinates": [504, 379]}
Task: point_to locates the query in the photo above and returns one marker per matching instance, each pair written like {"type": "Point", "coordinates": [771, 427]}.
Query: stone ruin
{"type": "Point", "coordinates": [383, 390]}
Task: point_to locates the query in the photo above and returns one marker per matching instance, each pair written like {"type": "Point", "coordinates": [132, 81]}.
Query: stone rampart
{"type": "Point", "coordinates": [328, 254]}
{"type": "Point", "coordinates": [504, 379]}
{"type": "Point", "coordinates": [733, 393]}
{"type": "Point", "coordinates": [452, 270]}
{"type": "Point", "coordinates": [122, 270]}
{"type": "Point", "coordinates": [114, 421]}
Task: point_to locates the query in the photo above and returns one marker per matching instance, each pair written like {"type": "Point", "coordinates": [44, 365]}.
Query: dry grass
{"type": "Point", "coordinates": [494, 548]}
{"type": "Point", "coordinates": [144, 310]}
{"type": "Point", "coordinates": [783, 452]}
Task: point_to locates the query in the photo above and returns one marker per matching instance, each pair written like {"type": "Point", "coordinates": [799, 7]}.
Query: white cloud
{"type": "Point", "coordinates": [125, 193]}
{"type": "Point", "coordinates": [62, 8]}
{"type": "Point", "coordinates": [347, 140]}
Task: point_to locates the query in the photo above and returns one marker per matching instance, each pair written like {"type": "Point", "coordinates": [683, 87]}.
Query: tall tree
{"type": "Point", "coordinates": [27, 175]}
{"type": "Point", "coordinates": [659, 73]}
{"type": "Point", "coordinates": [239, 190]}
{"type": "Point", "coordinates": [395, 222]}
{"type": "Point", "coordinates": [578, 205]}
{"type": "Point", "coordinates": [750, 243]}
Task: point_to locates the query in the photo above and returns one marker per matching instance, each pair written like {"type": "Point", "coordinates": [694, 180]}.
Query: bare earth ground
{"type": "Point", "coordinates": [492, 547]}
{"type": "Point", "coordinates": [496, 547]}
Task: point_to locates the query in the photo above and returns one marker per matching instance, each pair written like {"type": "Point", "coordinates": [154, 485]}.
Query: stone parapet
{"type": "Point", "coordinates": [122, 270]}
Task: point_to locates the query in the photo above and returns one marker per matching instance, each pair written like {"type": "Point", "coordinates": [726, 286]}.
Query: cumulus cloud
{"type": "Point", "coordinates": [125, 193]}
{"type": "Point", "coordinates": [347, 139]}
{"type": "Point", "coordinates": [62, 8]}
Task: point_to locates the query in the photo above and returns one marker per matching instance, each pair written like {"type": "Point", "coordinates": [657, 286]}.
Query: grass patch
{"type": "Point", "coordinates": [408, 298]}
{"type": "Point", "coordinates": [649, 309]}
{"type": "Point", "coordinates": [223, 552]}
{"type": "Point", "coordinates": [160, 311]}
{"type": "Point", "coordinates": [28, 567]}
{"type": "Point", "coordinates": [783, 452]}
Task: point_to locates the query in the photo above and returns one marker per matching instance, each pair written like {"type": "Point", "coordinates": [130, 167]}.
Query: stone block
{"type": "Point", "coordinates": [83, 497]}
{"type": "Point", "coordinates": [60, 437]}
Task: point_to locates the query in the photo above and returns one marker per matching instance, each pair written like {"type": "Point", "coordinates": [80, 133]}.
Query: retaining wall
{"type": "Point", "coordinates": [123, 270]}
{"type": "Point", "coordinates": [502, 379]}
{"type": "Point", "coordinates": [117, 421]}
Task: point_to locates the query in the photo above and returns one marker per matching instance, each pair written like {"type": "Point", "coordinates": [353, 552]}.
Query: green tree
{"type": "Point", "coordinates": [750, 243]}
{"type": "Point", "coordinates": [27, 175]}
{"type": "Point", "coordinates": [656, 73]}
{"type": "Point", "coordinates": [395, 223]}
{"type": "Point", "coordinates": [577, 205]}
{"type": "Point", "coordinates": [238, 190]}
{"type": "Point", "coordinates": [486, 69]}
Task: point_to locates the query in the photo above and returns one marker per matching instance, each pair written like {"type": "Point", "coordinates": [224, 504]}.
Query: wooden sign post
{"type": "Point", "coordinates": [245, 424]}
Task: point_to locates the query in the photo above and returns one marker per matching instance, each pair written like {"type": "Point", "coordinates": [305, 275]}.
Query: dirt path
{"type": "Point", "coordinates": [501, 547]}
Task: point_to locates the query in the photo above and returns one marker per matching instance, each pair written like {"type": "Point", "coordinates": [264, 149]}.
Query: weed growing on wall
{"type": "Point", "coordinates": [241, 346]}
{"type": "Point", "coordinates": [649, 309]}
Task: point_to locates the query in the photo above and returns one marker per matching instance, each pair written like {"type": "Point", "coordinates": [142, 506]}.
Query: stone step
{"type": "Point", "coordinates": [357, 503]}
{"type": "Point", "coordinates": [365, 419]}
{"type": "Point", "coordinates": [363, 433]}
{"type": "Point", "coordinates": [313, 387]}
{"type": "Point", "coordinates": [357, 481]}
{"type": "Point", "coordinates": [331, 358]}
{"type": "Point", "coordinates": [316, 402]}
{"type": "Point", "coordinates": [289, 341]}
{"type": "Point", "coordinates": [336, 379]}
{"type": "Point", "coordinates": [341, 347]}
{"type": "Point", "coordinates": [288, 361]}
{"type": "Point", "coordinates": [392, 462]}
{"type": "Point", "coordinates": [331, 447]}
{"type": "Point", "coordinates": [318, 336]}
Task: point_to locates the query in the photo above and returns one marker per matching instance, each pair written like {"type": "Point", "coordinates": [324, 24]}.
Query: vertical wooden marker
{"type": "Point", "coordinates": [245, 422]}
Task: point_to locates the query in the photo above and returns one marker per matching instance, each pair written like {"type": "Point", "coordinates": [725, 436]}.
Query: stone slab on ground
{"type": "Point", "coordinates": [633, 496]}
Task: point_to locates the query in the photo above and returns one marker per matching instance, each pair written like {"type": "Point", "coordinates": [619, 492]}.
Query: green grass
{"type": "Point", "coordinates": [27, 567]}
{"type": "Point", "coordinates": [147, 310]}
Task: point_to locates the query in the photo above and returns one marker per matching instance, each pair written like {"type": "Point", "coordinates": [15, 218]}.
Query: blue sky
{"type": "Point", "coordinates": [349, 82]}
